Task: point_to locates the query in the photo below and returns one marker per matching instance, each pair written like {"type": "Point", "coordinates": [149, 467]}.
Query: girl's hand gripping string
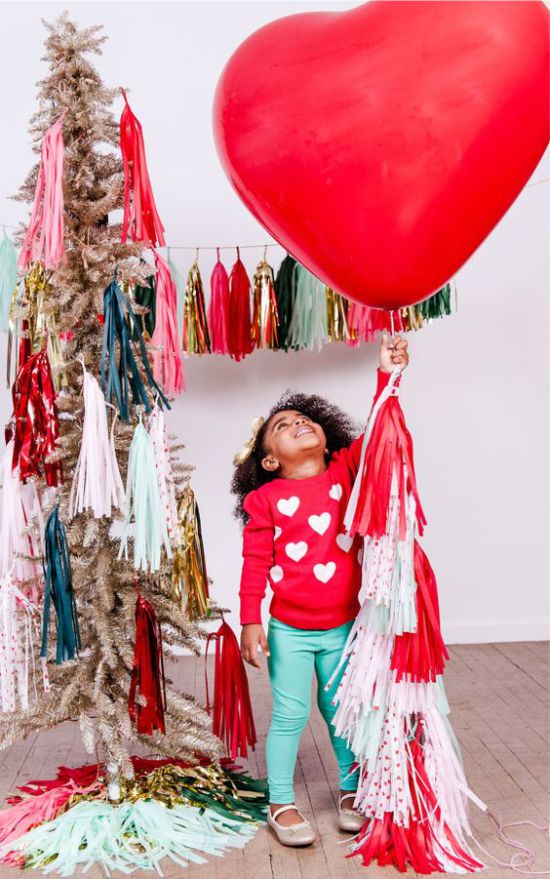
{"type": "Point", "coordinates": [393, 352]}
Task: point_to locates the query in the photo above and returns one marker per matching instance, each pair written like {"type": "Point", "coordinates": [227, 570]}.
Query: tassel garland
{"type": "Point", "coordinates": [285, 291]}
{"type": "Point", "coordinates": [59, 591]}
{"type": "Point", "coordinates": [20, 544]}
{"type": "Point", "coordinates": [337, 326]}
{"type": "Point", "coordinates": [265, 318]}
{"type": "Point", "coordinates": [147, 694]}
{"type": "Point", "coordinates": [168, 360]}
{"type": "Point", "coordinates": [141, 221]}
{"type": "Point", "coordinates": [196, 339]}
{"type": "Point", "coordinates": [240, 326]}
{"type": "Point", "coordinates": [8, 280]}
{"type": "Point", "coordinates": [232, 718]}
{"type": "Point", "coordinates": [143, 506]}
{"type": "Point", "coordinates": [36, 422]}
{"type": "Point", "coordinates": [97, 484]}
{"type": "Point", "coordinates": [17, 623]}
{"type": "Point", "coordinates": [218, 309]}
{"type": "Point", "coordinates": [44, 239]}
{"type": "Point", "coordinates": [156, 428]}
{"type": "Point", "coordinates": [189, 576]}
{"type": "Point", "coordinates": [120, 378]}
{"type": "Point", "coordinates": [308, 324]}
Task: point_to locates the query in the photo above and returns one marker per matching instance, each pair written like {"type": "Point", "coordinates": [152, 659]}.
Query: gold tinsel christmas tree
{"type": "Point", "coordinates": [94, 688]}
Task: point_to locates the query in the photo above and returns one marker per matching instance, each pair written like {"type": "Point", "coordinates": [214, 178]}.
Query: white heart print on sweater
{"type": "Point", "coordinates": [296, 551]}
{"type": "Point", "coordinates": [320, 523]}
{"type": "Point", "coordinates": [344, 541]}
{"type": "Point", "coordinates": [277, 532]}
{"type": "Point", "coordinates": [288, 506]}
{"type": "Point", "coordinates": [324, 572]}
{"type": "Point", "coordinates": [336, 491]}
{"type": "Point", "coordinates": [276, 573]}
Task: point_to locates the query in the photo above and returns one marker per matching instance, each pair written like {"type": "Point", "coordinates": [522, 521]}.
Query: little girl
{"type": "Point", "coordinates": [293, 480]}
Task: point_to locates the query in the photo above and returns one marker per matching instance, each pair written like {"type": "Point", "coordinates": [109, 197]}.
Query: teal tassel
{"type": "Point", "coordinates": [437, 305]}
{"type": "Point", "coordinates": [144, 506]}
{"type": "Point", "coordinates": [59, 590]}
{"type": "Point", "coordinates": [308, 325]}
{"type": "Point", "coordinates": [145, 296]}
{"type": "Point", "coordinates": [119, 378]}
{"type": "Point", "coordinates": [284, 292]}
{"type": "Point", "coordinates": [8, 280]}
{"type": "Point", "coordinates": [128, 837]}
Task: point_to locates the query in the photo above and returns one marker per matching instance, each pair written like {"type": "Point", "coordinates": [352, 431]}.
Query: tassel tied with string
{"type": "Point", "coordinates": [147, 693]}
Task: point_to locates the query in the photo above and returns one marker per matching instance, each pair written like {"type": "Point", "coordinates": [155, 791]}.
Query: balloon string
{"type": "Point", "coordinates": [392, 325]}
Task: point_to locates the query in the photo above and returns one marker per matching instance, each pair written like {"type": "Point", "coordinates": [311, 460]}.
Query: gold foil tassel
{"type": "Point", "coordinates": [265, 319]}
{"type": "Point", "coordinates": [196, 338]}
{"type": "Point", "coordinates": [337, 309]}
{"type": "Point", "coordinates": [189, 576]}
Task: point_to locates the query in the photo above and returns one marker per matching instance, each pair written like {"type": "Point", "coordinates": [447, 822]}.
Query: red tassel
{"type": "Point", "coordinates": [44, 238]}
{"type": "Point", "coordinates": [384, 841]}
{"type": "Point", "coordinates": [421, 654]}
{"type": "Point", "coordinates": [168, 359]}
{"type": "Point", "coordinates": [148, 671]}
{"type": "Point", "coordinates": [218, 309]}
{"type": "Point", "coordinates": [365, 322]}
{"type": "Point", "coordinates": [240, 322]}
{"type": "Point", "coordinates": [36, 422]}
{"type": "Point", "coordinates": [232, 719]}
{"type": "Point", "coordinates": [389, 450]}
{"type": "Point", "coordinates": [141, 220]}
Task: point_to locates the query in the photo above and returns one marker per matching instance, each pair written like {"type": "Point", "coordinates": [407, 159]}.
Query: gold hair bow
{"type": "Point", "coordinates": [246, 450]}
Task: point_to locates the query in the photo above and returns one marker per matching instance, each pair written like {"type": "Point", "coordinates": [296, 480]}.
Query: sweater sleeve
{"type": "Point", "coordinates": [258, 541]}
{"type": "Point", "coordinates": [351, 455]}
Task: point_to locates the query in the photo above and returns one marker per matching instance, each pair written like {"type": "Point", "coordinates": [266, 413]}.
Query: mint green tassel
{"type": "Point", "coordinates": [308, 325]}
{"type": "Point", "coordinates": [143, 504]}
{"type": "Point", "coordinates": [8, 280]}
{"type": "Point", "coordinates": [128, 837]}
{"type": "Point", "coordinates": [180, 287]}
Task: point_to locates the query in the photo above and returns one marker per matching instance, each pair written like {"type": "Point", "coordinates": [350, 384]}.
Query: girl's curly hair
{"type": "Point", "coordinates": [340, 430]}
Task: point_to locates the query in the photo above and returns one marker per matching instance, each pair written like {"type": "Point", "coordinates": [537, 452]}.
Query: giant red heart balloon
{"type": "Point", "coordinates": [381, 145]}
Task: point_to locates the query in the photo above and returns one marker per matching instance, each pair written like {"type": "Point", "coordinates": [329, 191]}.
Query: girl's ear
{"type": "Point", "coordinates": [270, 463]}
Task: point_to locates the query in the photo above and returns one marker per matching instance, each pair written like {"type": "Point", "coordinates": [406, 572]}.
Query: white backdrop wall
{"type": "Point", "coordinates": [475, 394]}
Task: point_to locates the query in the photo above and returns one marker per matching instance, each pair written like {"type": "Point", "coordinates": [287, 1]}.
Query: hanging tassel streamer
{"type": "Point", "coordinates": [168, 360]}
{"type": "Point", "coordinates": [59, 590]}
{"type": "Point", "coordinates": [240, 326]}
{"type": "Point", "coordinates": [143, 506]}
{"type": "Point", "coordinates": [156, 428]}
{"type": "Point", "coordinates": [285, 291]}
{"type": "Point", "coordinates": [145, 296]}
{"type": "Point", "coordinates": [8, 280]}
{"type": "Point", "coordinates": [232, 718]}
{"type": "Point", "coordinates": [180, 289]}
{"type": "Point", "coordinates": [189, 575]}
{"type": "Point", "coordinates": [125, 375]}
{"type": "Point", "coordinates": [147, 694]}
{"type": "Point", "coordinates": [36, 421]}
{"type": "Point", "coordinates": [97, 484]}
{"type": "Point", "coordinates": [141, 221]}
{"type": "Point", "coordinates": [265, 318]}
{"type": "Point", "coordinates": [218, 309]}
{"type": "Point", "coordinates": [20, 545]}
{"type": "Point", "coordinates": [196, 339]}
{"type": "Point", "coordinates": [337, 307]}
{"type": "Point", "coordinates": [308, 325]}
{"type": "Point", "coordinates": [17, 619]}
{"type": "Point", "coordinates": [44, 238]}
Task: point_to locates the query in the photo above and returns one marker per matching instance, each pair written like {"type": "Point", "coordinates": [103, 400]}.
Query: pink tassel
{"type": "Point", "coordinates": [44, 238]}
{"type": "Point", "coordinates": [168, 359]}
{"type": "Point", "coordinates": [364, 322]}
{"type": "Point", "coordinates": [218, 311]}
{"type": "Point", "coordinates": [141, 220]}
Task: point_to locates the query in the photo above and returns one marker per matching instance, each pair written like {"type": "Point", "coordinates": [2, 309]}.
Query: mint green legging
{"type": "Point", "coordinates": [294, 655]}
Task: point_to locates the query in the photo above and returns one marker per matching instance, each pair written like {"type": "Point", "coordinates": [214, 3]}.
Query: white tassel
{"type": "Point", "coordinates": [19, 508]}
{"type": "Point", "coordinates": [156, 427]}
{"type": "Point", "coordinates": [18, 620]}
{"type": "Point", "coordinates": [143, 505]}
{"type": "Point", "coordinates": [97, 484]}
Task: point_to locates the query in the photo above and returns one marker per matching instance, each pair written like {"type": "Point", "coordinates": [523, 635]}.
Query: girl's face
{"type": "Point", "coordinates": [289, 438]}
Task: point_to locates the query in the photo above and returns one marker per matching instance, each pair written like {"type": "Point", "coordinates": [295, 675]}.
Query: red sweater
{"type": "Point", "coordinates": [295, 540]}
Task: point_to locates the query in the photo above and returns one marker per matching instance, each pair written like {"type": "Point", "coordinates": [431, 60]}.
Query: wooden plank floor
{"type": "Point", "coordinates": [499, 699]}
